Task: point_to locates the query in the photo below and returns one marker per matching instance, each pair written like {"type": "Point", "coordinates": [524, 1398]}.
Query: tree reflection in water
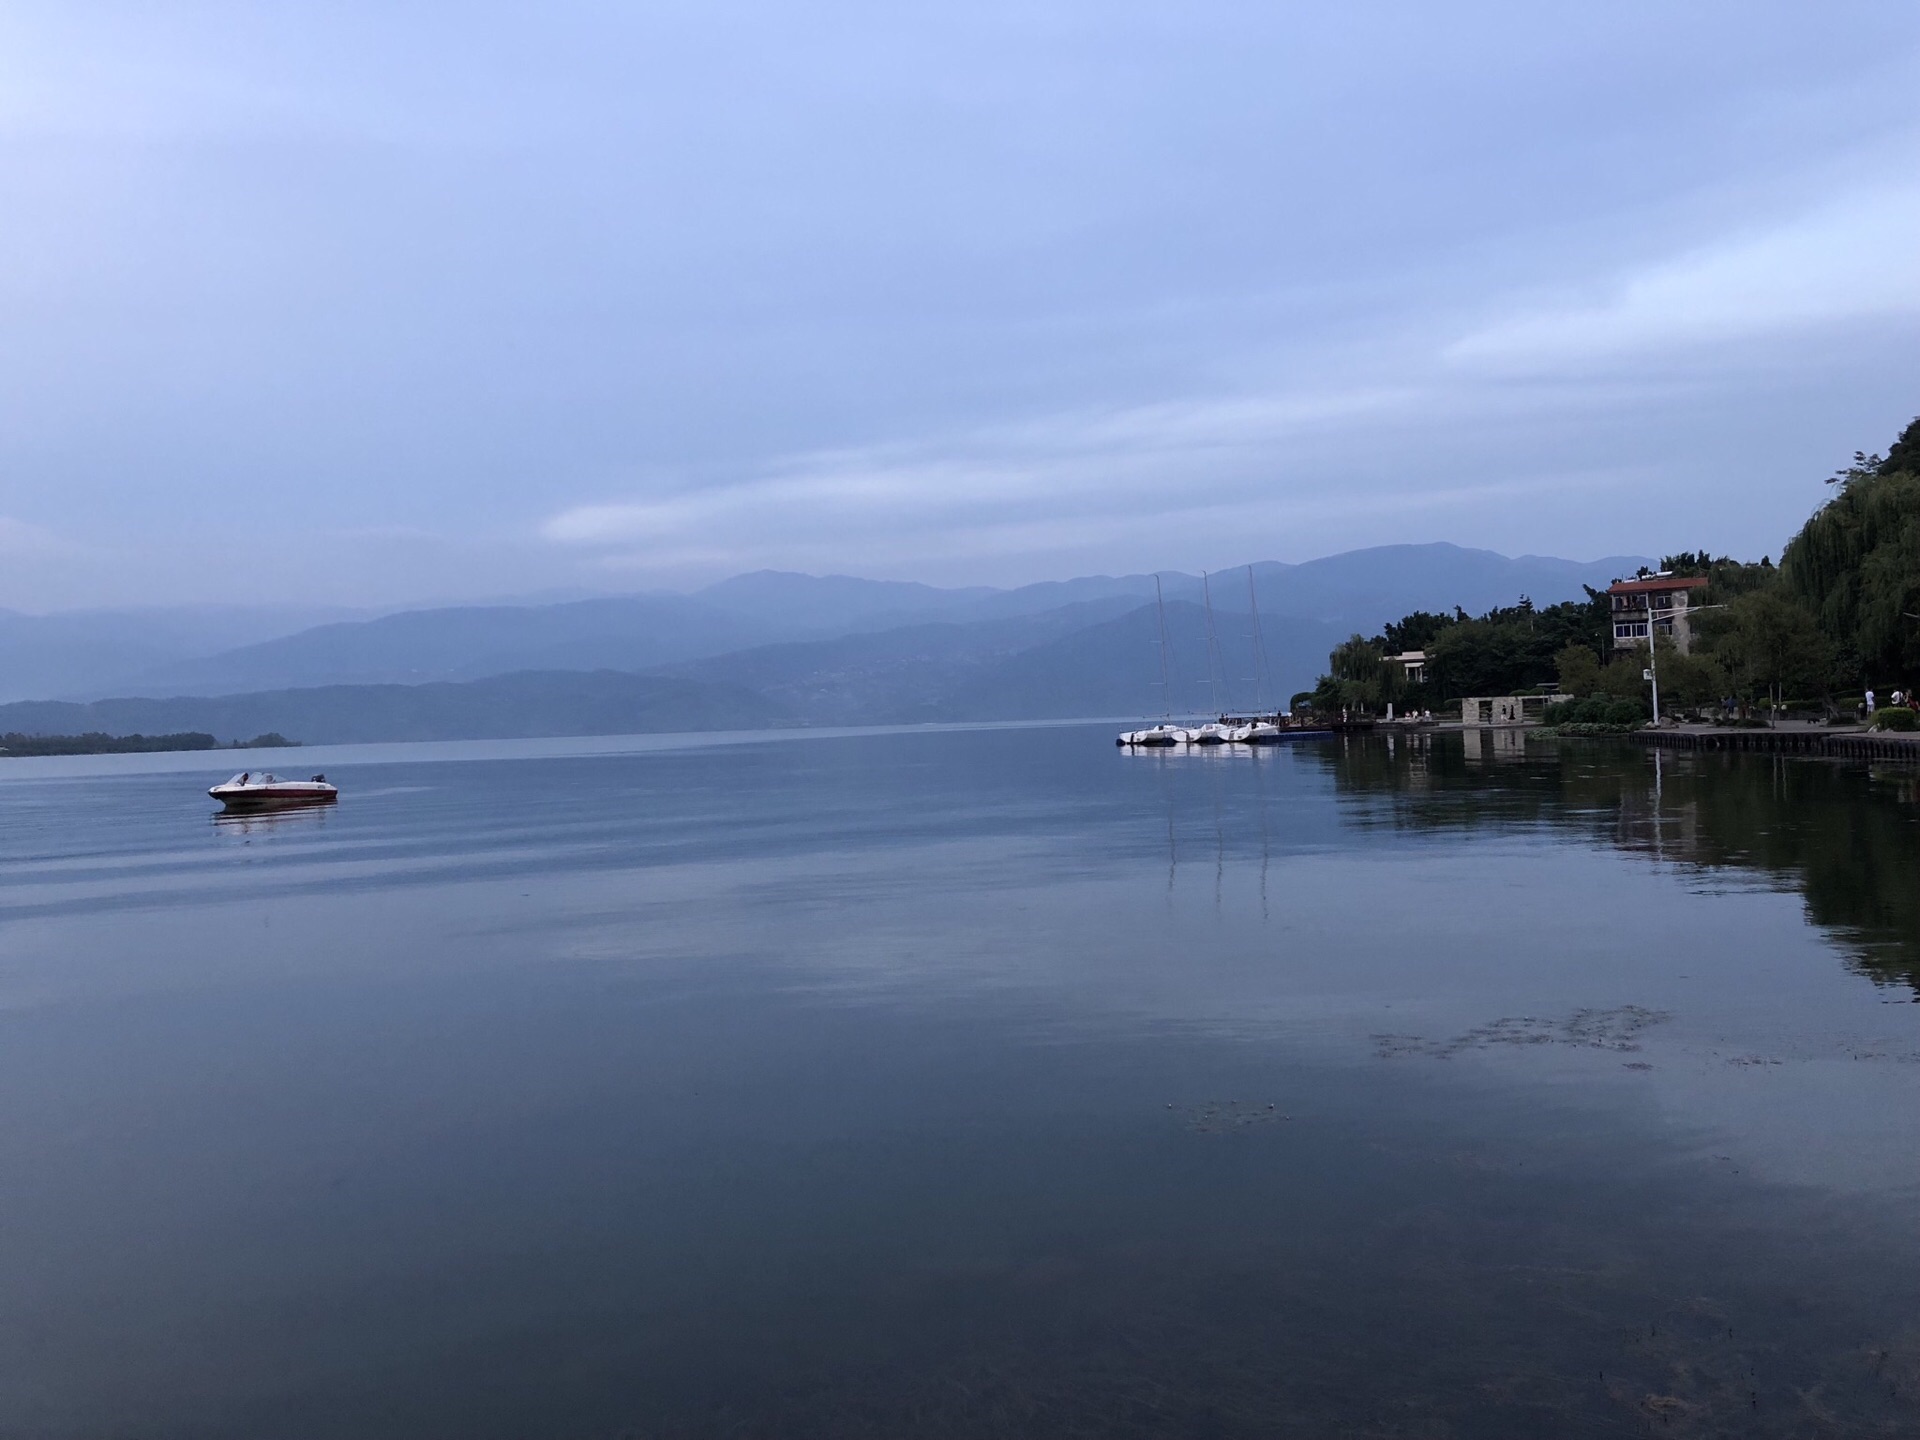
{"type": "Point", "coordinates": [1843, 835]}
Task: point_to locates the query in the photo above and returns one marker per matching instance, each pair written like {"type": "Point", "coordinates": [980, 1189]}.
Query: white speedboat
{"type": "Point", "coordinates": [1159, 735]}
{"type": "Point", "coordinates": [261, 790]}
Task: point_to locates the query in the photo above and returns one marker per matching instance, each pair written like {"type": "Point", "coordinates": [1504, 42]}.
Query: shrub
{"type": "Point", "coordinates": [1597, 711]}
{"type": "Point", "coordinates": [1896, 717]}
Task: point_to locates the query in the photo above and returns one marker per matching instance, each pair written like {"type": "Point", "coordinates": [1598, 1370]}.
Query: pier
{"type": "Point", "coordinates": [1788, 740]}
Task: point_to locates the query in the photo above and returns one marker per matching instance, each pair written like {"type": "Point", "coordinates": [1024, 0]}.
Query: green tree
{"type": "Point", "coordinates": [1624, 677]}
{"type": "Point", "coordinates": [1855, 565]}
{"type": "Point", "coordinates": [1692, 679]}
{"type": "Point", "coordinates": [1364, 679]}
{"type": "Point", "coordinates": [1770, 645]}
{"type": "Point", "coordinates": [1415, 631]}
{"type": "Point", "coordinates": [1578, 669]}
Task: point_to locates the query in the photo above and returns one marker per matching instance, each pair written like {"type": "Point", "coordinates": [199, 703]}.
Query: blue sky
{"type": "Point", "coordinates": [370, 304]}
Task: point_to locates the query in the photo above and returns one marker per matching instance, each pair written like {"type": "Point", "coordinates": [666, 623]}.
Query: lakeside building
{"type": "Point", "coordinates": [1414, 662]}
{"type": "Point", "coordinates": [1657, 603]}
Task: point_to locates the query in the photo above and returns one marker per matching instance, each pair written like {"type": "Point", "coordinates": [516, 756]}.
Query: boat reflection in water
{"type": "Point", "coordinates": [260, 790]}
{"type": "Point", "coordinates": [280, 820]}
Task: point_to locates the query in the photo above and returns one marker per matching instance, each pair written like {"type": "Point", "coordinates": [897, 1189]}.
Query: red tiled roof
{"type": "Point", "coordinates": [1665, 582]}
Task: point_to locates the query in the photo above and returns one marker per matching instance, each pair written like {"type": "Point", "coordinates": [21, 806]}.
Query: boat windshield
{"type": "Point", "coordinates": [254, 777]}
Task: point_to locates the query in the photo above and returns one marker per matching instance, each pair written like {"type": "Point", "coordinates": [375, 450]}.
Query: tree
{"type": "Point", "coordinates": [1692, 679]}
{"type": "Point", "coordinates": [1511, 647]}
{"type": "Point", "coordinates": [1624, 677]}
{"type": "Point", "coordinates": [1771, 645]}
{"type": "Point", "coordinates": [1905, 452]}
{"type": "Point", "coordinates": [1855, 565]}
{"type": "Point", "coordinates": [1578, 669]}
{"type": "Point", "coordinates": [1363, 678]}
{"type": "Point", "coordinates": [1414, 632]}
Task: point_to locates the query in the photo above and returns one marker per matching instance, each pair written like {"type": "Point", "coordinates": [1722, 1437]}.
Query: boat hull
{"type": "Point", "coordinates": [1159, 737]}
{"type": "Point", "coordinates": [273, 797]}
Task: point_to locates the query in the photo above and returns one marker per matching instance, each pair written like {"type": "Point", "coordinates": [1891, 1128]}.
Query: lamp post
{"type": "Point", "coordinates": [1652, 672]}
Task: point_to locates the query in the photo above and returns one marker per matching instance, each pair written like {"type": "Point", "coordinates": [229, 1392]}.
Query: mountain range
{"type": "Point", "coordinates": [768, 647]}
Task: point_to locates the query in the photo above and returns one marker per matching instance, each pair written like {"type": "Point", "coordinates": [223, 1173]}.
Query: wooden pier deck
{"type": "Point", "coordinates": [1788, 739]}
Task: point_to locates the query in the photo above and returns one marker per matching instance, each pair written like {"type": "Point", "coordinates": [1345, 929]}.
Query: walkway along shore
{"type": "Point", "coordinates": [1842, 744]}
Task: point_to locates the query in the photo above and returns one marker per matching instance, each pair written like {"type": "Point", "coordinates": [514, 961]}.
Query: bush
{"type": "Point", "coordinates": [1896, 717]}
{"type": "Point", "coordinates": [1597, 711]}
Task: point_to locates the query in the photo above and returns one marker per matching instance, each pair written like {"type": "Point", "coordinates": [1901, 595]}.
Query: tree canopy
{"type": "Point", "coordinates": [1855, 565]}
{"type": "Point", "coordinates": [1841, 609]}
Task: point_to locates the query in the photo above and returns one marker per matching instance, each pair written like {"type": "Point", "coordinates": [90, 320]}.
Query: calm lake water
{"type": "Point", "coordinates": [974, 1082]}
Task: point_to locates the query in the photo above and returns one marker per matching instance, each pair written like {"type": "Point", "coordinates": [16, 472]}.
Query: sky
{"type": "Point", "coordinates": [375, 304]}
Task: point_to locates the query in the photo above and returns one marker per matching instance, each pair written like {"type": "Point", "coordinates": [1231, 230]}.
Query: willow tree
{"type": "Point", "coordinates": [1856, 564]}
{"type": "Point", "coordinates": [1363, 678]}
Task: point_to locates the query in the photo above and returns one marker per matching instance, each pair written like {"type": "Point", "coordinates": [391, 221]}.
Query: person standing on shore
{"type": "Point", "coordinates": [1869, 704]}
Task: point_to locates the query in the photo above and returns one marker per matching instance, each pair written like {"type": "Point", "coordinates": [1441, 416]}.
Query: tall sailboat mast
{"type": "Point", "coordinates": [1166, 675]}
{"type": "Point", "coordinates": [1260, 666]}
{"type": "Point", "coordinates": [1213, 644]}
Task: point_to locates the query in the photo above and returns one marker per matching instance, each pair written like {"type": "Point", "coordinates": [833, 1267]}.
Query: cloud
{"type": "Point", "coordinates": [1850, 260]}
{"type": "Point", "coordinates": [1065, 481]}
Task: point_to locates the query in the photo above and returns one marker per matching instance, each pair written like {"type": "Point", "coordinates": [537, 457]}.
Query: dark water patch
{"type": "Point", "coordinates": [1617, 1029]}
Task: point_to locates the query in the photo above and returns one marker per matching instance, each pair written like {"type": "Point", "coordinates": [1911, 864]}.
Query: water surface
{"type": "Point", "coordinates": [967, 1082]}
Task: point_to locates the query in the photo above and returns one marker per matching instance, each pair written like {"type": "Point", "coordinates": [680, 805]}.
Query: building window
{"type": "Point", "coordinates": [1631, 631]}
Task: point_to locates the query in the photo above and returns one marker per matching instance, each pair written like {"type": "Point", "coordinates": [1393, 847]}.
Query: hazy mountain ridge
{"type": "Point", "coordinates": [1114, 668]}
{"type": "Point", "coordinates": [84, 651]}
{"type": "Point", "coordinates": [896, 676]}
{"type": "Point", "coordinates": [1081, 659]}
{"type": "Point", "coordinates": [471, 642]}
{"type": "Point", "coordinates": [1359, 590]}
{"type": "Point", "coordinates": [1053, 649]}
{"type": "Point", "coordinates": [501, 707]}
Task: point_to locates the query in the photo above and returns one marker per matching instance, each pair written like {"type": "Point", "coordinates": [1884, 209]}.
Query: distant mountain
{"type": "Point", "coordinates": [1073, 660]}
{"type": "Point", "coordinates": [1113, 668]}
{"type": "Point", "coordinates": [742, 625]}
{"type": "Point", "coordinates": [79, 651]}
{"type": "Point", "coordinates": [1358, 590]}
{"type": "Point", "coordinates": [832, 604]}
{"type": "Point", "coordinates": [897, 676]}
{"type": "Point", "coordinates": [469, 642]}
{"type": "Point", "coordinates": [1363, 589]}
{"type": "Point", "coordinates": [1083, 659]}
{"type": "Point", "coordinates": [599, 702]}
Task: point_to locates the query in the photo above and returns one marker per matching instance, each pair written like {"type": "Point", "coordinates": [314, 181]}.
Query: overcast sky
{"type": "Point", "coordinates": [373, 303]}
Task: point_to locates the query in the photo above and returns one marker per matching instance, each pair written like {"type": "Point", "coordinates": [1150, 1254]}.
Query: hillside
{"type": "Point", "coordinates": [85, 652]}
{"type": "Point", "coordinates": [750, 651]}
{"type": "Point", "coordinates": [469, 642]}
{"type": "Point", "coordinates": [81, 658]}
{"type": "Point", "coordinates": [525, 705]}
{"type": "Point", "coordinates": [1079, 660]}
